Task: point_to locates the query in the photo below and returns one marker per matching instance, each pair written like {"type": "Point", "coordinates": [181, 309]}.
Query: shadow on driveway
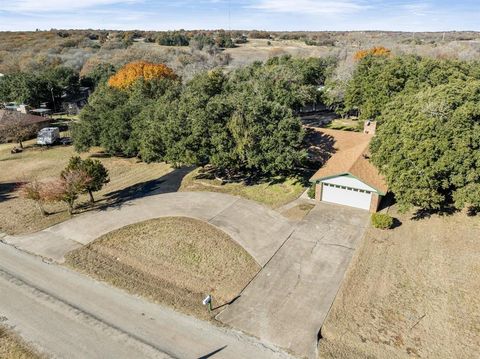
{"type": "Point", "coordinates": [168, 183]}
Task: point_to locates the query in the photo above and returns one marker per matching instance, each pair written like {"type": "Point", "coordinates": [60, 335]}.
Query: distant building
{"type": "Point", "coordinates": [41, 112]}
{"type": "Point", "coordinates": [7, 116]}
{"type": "Point", "coordinates": [72, 104]}
{"type": "Point", "coordinates": [13, 106]}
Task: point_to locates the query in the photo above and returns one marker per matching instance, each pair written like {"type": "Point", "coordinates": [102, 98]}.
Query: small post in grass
{"type": "Point", "coordinates": [208, 302]}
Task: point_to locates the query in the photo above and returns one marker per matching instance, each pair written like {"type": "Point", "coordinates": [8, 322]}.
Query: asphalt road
{"type": "Point", "coordinates": [67, 315]}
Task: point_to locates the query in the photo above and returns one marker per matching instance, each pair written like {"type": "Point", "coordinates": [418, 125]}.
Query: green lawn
{"type": "Point", "coordinates": [273, 194]}
{"type": "Point", "coordinates": [346, 124]}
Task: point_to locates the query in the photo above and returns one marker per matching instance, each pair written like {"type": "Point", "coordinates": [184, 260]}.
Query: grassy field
{"type": "Point", "coordinates": [345, 124]}
{"type": "Point", "coordinates": [272, 194]}
{"type": "Point", "coordinates": [410, 292]}
{"type": "Point", "coordinates": [174, 261]}
{"type": "Point", "coordinates": [13, 347]}
{"type": "Point", "coordinates": [20, 216]}
{"type": "Point", "coordinates": [128, 177]}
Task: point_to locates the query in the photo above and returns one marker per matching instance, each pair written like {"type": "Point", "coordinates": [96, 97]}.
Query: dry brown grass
{"type": "Point", "coordinates": [273, 194]}
{"type": "Point", "coordinates": [18, 215]}
{"type": "Point", "coordinates": [13, 347]}
{"type": "Point", "coordinates": [298, 212]}
{"type": "Point", "coordinates": [410, 292]}
{"type": "Point", "coordinates": [174, 261]}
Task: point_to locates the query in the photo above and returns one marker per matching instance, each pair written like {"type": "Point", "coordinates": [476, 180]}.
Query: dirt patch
{"type": "Point", "coordinates": [174, 261]}
{"type": "Point", "coordinates": [13, 347]}
{"type": "Point", "coordinates": [298, 212]}
{"type": "Point", "coordinates": [19, 216]}
{"type": "Point", "coordinates": [273, 194]}
{"type": "Point", "coordinates": [410, 292]}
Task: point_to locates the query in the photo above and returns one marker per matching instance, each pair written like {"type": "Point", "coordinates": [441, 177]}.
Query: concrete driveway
{"type": "Point", "coordinates": [258, 229]}
{"type": "Point", "coordinates": [288, 301]}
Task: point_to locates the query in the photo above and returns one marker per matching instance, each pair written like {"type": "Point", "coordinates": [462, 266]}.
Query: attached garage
{"type": "Point", "coordinates": [346, 196]}
{"type": "Point", "coordinates": [348, 178]}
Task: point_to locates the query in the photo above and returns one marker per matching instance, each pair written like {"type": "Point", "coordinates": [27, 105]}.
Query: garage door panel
{"type": "Point", "coordinates": [346, 196]}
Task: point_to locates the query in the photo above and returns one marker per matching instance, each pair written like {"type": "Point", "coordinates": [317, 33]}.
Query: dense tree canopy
{"type": "Point", "coordinates": [429, 146]}
{"type": "Point", "coordinates": [37, 87]}
{"type": "Point", "coordinates": [130, 73]}
{"type": "Point", "coordinates": [378, 79]}
{"type": "Point", "coordinates": [240, 122]}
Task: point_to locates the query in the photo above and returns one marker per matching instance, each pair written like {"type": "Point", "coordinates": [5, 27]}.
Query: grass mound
{"type": "Point", "coordinates": [175, 261]}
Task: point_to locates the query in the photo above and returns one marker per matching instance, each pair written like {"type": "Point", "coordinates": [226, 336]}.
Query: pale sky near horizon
{"type": "Point", "coordinates": [275, 15]}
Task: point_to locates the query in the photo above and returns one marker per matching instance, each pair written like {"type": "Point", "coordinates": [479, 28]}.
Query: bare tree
{"type": "Point", "coordinates": [71, 184]}
{"type": "Point", "coordinates": [34, 191]}
{"type": "Point", "coordinates": [14, 127]}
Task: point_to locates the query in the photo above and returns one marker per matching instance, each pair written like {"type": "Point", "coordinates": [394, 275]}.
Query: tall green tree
{"type": "Point", "coordinates": [94, 169]}
{"type": "Point", "coordinates": [428, 146]}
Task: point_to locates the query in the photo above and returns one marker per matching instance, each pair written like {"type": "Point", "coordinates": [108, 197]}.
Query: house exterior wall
{"type": "Point", "coordinates": [363, 196]}
{"type": "Point", "coordinates": [346, 196]}
{"type": "Point", "coordinates": [318, 191]}
{"type": "Point", "coordinates": [348, 181]}
{"type": "Point", "coordinates": [375, 202]}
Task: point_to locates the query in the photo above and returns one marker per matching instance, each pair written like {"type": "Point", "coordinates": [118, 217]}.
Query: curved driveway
{"type": "Point", "coordinates": [260, 230]}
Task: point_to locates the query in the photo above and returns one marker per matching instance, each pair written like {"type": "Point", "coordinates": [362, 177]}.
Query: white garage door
{"type": "Point", "coordinates": [347, 196]}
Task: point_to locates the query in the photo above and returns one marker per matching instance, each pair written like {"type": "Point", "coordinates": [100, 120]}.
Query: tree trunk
{"type": "Point", "coordinates": [70, 208]}
{"type": "Point", "coordinates": [20, 143]}
{"type": "Point", "coordinates": [41, 209]}
{"type": "Point", "coordinates": [92, 200]}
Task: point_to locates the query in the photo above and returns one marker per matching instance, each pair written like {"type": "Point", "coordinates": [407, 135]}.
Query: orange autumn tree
{"type": "Point", "coordinates": [129, 73]}
{"type": "Point", "coordinates": [374, 51]}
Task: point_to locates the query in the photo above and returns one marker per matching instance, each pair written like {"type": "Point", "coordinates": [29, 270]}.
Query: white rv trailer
{"type": "Point", "coordinates": [48, 136]}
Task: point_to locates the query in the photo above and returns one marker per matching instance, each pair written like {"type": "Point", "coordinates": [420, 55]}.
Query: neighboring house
{"type": "Point", "coordinates": [41, 112]}
{"type": "Point", "coordinates": [72, 104]}
{"type": "Point", "coordinates": [348, 177]}
{"type": "Point", "coordinates": [7, 116]}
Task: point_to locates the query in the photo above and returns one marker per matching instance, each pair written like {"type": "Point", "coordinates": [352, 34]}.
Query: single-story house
{"type": "Point", "coordinates": [348, 177]}
{"type": "Point", "coordinates": [7, 116]}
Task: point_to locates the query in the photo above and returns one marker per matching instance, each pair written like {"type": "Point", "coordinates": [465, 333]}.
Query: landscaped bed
{"type": "Point", "coordinates": [273, 193]}
{"type": "Point", "coordinates": [13, 347]}
{"type": "Point", "coordinates": [410, 292]}
{"type": "Point", "coordinates": [175, 261]}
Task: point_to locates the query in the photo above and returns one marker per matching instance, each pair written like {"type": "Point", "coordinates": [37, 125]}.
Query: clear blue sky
{"type": "Point", "coordinates": [405, 15]}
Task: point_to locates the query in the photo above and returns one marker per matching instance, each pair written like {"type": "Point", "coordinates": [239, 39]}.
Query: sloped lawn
{"type": "Point", "coordinates": [175, 261]}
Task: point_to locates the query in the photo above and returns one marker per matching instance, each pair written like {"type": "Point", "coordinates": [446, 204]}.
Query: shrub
{"type": "Point", "coordinates": [311, 191]}
{"type": "Point", "coordinates": [382, 221]}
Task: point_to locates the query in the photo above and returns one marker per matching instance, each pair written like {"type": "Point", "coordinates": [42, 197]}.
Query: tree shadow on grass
{"type": "Point", "coordinates": [427, 213]}
{"type": "Point", "coordinates": [7, 190]}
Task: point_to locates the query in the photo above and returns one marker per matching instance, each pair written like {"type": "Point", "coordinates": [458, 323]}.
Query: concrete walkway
{"type": "Point", "coordinates": [288, 301]}
{"type": "Point", "coordinates": [259, 230]}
